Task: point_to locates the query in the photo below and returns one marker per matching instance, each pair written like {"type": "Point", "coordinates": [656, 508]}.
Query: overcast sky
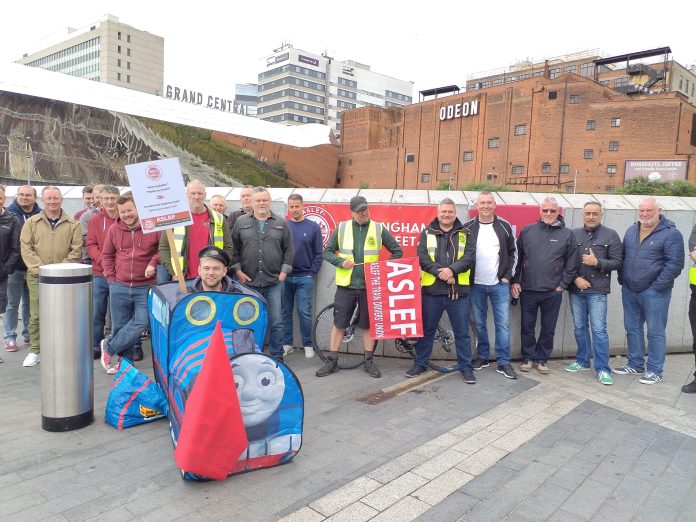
{"type": "Point", "coordinates": [210, 46]}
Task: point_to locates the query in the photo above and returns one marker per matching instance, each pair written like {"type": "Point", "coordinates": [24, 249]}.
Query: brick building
{"type": "Point", "coordinates": [568, 133]}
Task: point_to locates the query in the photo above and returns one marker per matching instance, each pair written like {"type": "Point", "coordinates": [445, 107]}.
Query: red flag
{"type": "Point", "coordinates": [212, 435]}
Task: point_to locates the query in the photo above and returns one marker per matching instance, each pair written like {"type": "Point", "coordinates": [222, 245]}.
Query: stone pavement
{"type": "Point", "coordinates": [556, 447]}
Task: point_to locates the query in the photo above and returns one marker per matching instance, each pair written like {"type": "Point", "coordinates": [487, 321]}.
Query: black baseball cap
{"type": "Point", "coordinates": [214, 252]}
{"type": "Point", "coordinates": [357, 203]}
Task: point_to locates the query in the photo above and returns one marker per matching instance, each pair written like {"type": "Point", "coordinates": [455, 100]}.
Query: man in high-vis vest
{"type": "Point", "coordinates": [691, 387]}
{"type": "Point", "coordinates": [208, 228]}
{"type": "Point", "coordinates": [446, 259]}
{"type": "Point", "coordinates": [352, 244]}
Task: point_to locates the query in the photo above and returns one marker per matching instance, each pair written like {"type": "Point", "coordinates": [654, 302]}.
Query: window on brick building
{"type": "Point", "coordinates": [588, 153]}
{"type": "Point", "coordinates": [564, 169]}
{"type": "Point", "coordinates": [410, 158]}
{"type": "Point", "coordinates": [613, 146]}
{"type": "Point", "coordinates": [468, 155]}
{"type": "Point", "coordinates": [518, 169]}
{"type": "Point", "coordinates": [553, 95]}
{"type": "Point", "coordinates": [611, 169]}
{"type": "Point", "coordinates": [520, 129]}
{"type": "Point", "coordinates": [574, 98]}
{"type": "Point", "coordinates": [616, 122]}
{"type": "Point", "coordinates": [609, 188]}
{"type": "Point", "coordinates": [546, 168]}
{"type": "Point", "coordinates": [350, 162]}
{"type": "Point", "coordinates": [446, 168]}
{"type": "Point", "coordinates": [425, 178]}
{"type": "Point", "coordinates": [591, 125]}
{"type": "Point", "coordinates": [493, 143]}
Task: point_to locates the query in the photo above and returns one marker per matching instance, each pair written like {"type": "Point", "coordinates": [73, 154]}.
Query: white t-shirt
{"type": "Point", "coordinates": [487, 255]}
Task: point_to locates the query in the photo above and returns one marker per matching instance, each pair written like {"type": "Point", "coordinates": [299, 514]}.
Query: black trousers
{"type": "Point", "coordinates": [531, 304]}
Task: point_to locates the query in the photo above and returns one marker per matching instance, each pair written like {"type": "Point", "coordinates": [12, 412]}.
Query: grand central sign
{"type": "Point", "coordinates": [212, 102]}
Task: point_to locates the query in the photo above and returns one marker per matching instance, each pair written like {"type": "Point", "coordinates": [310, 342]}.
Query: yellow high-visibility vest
{"type": "Point", "coordinates": [180, 232]}
{"type": "Point", "coordinates": [373, 244]}
{"type": "Point", "coordinates": [692, 275]}
{"type": "Point", "coordinates": [427, 278]}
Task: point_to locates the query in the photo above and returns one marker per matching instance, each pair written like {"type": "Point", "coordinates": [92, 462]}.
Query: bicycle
{"type": "Point", "coordinates": [441, 357]}
{"type": "Point", "coordinates": [352, 349]}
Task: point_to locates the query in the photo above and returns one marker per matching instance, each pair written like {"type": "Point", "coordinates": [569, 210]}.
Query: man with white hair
{"type": "Point", "coordinates": [653, 251]}
{"type": "Point", "coordinates": [548, 265]}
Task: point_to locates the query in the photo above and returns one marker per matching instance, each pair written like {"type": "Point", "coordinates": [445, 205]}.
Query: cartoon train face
{"type": "Point", "coordinates": [260, 387]}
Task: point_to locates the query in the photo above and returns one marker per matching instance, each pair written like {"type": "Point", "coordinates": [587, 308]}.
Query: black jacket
{"type": "Point", "coordinates": [508, 249]}
{"type": "Point", "coordinates": [606, 245]}
{"type": "Point", "coordinates": [22, 216]}
{"type": "Point", "coordinates": [446, 257]}
{"type": "Point", "coordinates": [9, 242]}
{"type": "Point", "coordinates": [548, 256]}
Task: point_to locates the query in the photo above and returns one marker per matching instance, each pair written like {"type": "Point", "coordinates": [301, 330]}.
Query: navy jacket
{"type": "Point", "coordinates": [22, 216]}
{"type": "Point", "coordinates": [656, 262]}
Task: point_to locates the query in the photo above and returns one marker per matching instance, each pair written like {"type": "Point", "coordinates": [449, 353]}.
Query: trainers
{"type": "Point", "coordinates": [415, 371]}
{"type": "Point", "coordinates": [526, 366]}
{"type": "Point", "coordinates": [575, 367]}
{"type": "Point", "coordinates": [542, 368]}
{"type": "Point", "coordinates": [650, 378]}
{"type": "Point", "coordinates": [690, 388]}
{"type": "Point", "coordinates": [468, 376]}
{"type": "Point", "coordinates": [479, 364]}
{"type": "Point", "coordinates": [507, 370]}
{"type": "Point", "coordinates": [32, 359]}
{"type": "Point", "coordinates": [27, 341]}
{"type": "Point", "coordinates": [308, 352]}
{"type": "Point", "coordinates": [10, 346]}
{"type": "Point", "coordinates": [605, 378]}
{"type": "Point", "coordinates": [288, 348]}
{"type": "Point", "coordinates": [625, 370]}
{"type": "Point", "coordinates": [106, 357]}
{"type": "Point", "coordinates": [330, 366]}
{"type": "Point", "coordinates": [114, 369]}
{"type": "Point", "coordinates": [371, 369]}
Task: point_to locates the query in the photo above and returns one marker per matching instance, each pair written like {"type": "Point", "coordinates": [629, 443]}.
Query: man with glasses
{"type": "Point", "coordinates": [548, 265]}
{"type": "Point", "coordinates": [352, 244]}
{"type": "Point", "coordinates": [23, 207]}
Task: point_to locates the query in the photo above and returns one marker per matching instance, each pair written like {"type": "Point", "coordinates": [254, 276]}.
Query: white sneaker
{"type": "Point", "coordinates": [308, 352]}
{"type": "Point", "coordinates": [287, 349]}
{"type": "Point", "coordinates": [32, 359]}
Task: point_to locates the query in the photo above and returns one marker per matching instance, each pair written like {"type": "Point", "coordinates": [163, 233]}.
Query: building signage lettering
{"type": "Point", "coordinates": [656, 170]}
{"type": "Point", "coordinates": [272, 60]}
{"type": "Point", "coordinates": [198, 98]}
{"type": "Point", "coordinates": [307, 59]}
{"type": "Point", "coordinates": [459, 110]}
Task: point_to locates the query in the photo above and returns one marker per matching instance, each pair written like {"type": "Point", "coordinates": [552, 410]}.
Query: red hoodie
{"type": "Point", "coordinates": [127, 253]}
{"type": "Point", "coordinates": [97, 227]}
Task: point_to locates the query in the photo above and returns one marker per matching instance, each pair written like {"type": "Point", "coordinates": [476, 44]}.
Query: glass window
{"type": "Point", "coordinates": [611, 169]}
{"type": "Point", "coordinates": [554, 73]}
{"type": "Point", "coordinates": [119, 49]}
{"type": "Point", "coordinates": [546, 168]}
{"type": "Point", "coordinates": [493, 143]}
{"type": "Point", "coordinates": [553, 95]}
{"type": "Point", "coordinates": [588, 153]}
{"type": "Point", "coordinates": [410, 158]}
{"type": "Point", "coordinates": [574, 98]}
{"type": "Point", "coordinates": [616, 122]}
{"type": "Point", "coordinates": [520, 129]}
{"type": "Point", "coordinates": [591, 124]}
{"type": "Point", "coordinates": [518, 169]}
{"type": "Point", "coordinates": [468, 155]}
{"type": "Point", "coordinates": [119, 35]}
{"type": "Point", "coordinates": [446, 168]}
{"type": "Point", "coordinates": [564, 168]}
{"type": "Point", "coordinates": [128, 51]}
{"type": "Point", "coordinates": [614, 146]}
{"type": "Point", "coordinates": [425, 178]}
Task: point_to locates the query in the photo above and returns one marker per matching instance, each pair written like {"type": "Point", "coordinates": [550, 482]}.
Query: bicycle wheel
{"type": "Point", "coordinates": [351, 351]}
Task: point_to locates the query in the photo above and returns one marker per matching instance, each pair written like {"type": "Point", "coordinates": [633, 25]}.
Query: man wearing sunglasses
{"type": "Point", "coordinates": [548, 265]}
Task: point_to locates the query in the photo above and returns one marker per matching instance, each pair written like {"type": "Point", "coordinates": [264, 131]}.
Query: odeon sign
{"type": "Point", "coordinates": [459, 110]}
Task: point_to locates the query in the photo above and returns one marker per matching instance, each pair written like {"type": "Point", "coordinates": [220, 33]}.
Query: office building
{"type": "Point", "coordinates": [106, 51]}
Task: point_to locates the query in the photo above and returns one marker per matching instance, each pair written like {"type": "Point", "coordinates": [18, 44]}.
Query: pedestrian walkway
{"type": "Point", "coordinates": [558, 446]}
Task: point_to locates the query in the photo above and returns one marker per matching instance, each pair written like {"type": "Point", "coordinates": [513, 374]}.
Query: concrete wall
{"type": "Point", "coordinates": [620, 213]}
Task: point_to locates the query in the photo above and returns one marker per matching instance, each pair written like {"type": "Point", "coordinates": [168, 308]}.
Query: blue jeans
{"type": "Point", "coordinates": [298, 289]}
{"type": "Point", "coordinates": [17, 291]}
{"type": "Point", "coordinates": [591, 308]}
{"type": "Point", "coordinates": [531, 304]}
{"type": "Point", "coordinates": [499, 294]}
{"type": "Point", "coordinates": [273, 294]}
{"type": "Point", "coordinates": [458, 313]}
{"type": "Point", "coordinates": [129, 316]}
{"type": "Point", "coordinates": [100, 302]}
{"type": "Point", "coordinates": [649, 308]}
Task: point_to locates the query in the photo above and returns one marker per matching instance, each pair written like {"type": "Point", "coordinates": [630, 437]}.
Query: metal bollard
{"type": "Point", "coordinates": [67, 364]}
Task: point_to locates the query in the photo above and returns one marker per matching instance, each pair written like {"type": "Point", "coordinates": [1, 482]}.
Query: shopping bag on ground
{"type": "Point", "coordinates": [134, 399]}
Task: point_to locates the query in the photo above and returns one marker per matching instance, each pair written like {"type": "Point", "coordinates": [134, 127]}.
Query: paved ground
{"type": "Point", "coordinates": [556, 447]}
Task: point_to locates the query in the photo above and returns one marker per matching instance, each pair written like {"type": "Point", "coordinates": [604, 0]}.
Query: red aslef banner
{"type": "Point", "coordinates": [394, 298]}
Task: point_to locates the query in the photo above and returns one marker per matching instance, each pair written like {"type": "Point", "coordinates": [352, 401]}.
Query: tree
{"type": "Point", "coordinates": [644, 186]}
